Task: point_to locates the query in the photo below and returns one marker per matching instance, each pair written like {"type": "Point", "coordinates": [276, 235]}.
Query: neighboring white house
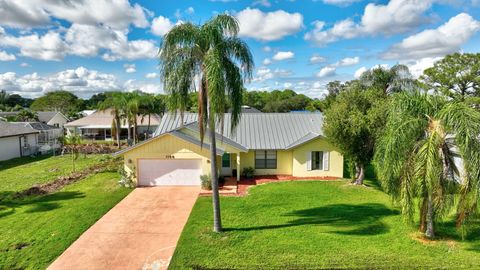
{"type": "Point", "coordinates": [17, 140]}
{"type": "Point", "coordinates": [98, 126]}
{"type": "Point", "coordinates": [56, 119]}
{"type": "Point", "coordinates": [48, 138]}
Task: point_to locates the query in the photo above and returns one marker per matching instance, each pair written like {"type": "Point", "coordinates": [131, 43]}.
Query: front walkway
{"type": "Point", "coordinates": [139, 232]}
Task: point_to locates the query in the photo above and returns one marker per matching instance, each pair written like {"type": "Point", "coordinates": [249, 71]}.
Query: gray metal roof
{"type": "Point", "coordinates": [13, 129]}
{"type": "Point", "coordinates": [46, 116]}
{"type": "Point", "coordinates": [259, 130]}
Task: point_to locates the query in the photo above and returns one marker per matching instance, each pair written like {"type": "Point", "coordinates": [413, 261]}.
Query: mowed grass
{"type": "Point", "coordinates": [316, 225]}
{"type": "Point", "coordinates": [36, 230]}
{"type": "Point", "coordinates": [22, 173]}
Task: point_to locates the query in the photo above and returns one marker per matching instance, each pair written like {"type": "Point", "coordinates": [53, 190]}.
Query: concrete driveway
{"type": "Point", "coordinates": [139, 232]}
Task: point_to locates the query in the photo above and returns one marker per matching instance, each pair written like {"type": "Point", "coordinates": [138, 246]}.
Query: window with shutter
{"type": "Point", "coordinates": [317, 160]}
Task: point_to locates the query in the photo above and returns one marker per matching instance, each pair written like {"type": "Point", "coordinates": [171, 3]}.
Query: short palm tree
{"type": "Point", "coordinates": [211, 58]}
{"type": "Point", "coordinates": [430, 153]}
{"type": "Point", "coordinates": [73, 143]}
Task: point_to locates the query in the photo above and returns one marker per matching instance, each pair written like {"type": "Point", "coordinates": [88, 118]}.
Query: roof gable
{"type": "Point", "coordinates": [13, 129]}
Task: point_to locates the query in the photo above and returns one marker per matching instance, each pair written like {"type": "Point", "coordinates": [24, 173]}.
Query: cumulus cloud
{"type": "Point", "coordinates": [117, 14]}
{"type": "Point", "coordinates": [316, 59]}
{"type": "Point", "coordinates": [267, 49]}
{"type": "Point", "coordinates": [80, 40]}
{"type": "Point", "coordinates": [327, 71]}
{"type": "Point", "coordinates": [268, 26]}
{"type": "Point", "coordinates": [266, 62]}
{"type": "Point", "coordinates": [359, 72]}
{"type": "Point", "coordinates": [81, 81]}
{"type": "Point", "coordinates": [341, 3]}
{"type": "Point", "coordinates": [265, 73]}
{"type": "Point", "coordinates": [443, 40]}
{"type": "Point", "coordinates": [161, 25]}
{"type": "Point", "coordinates": [417, 67]}
{"type": "Point", "coordinates": [398, 16]}
{"type": "Point", "coordinates": [4, 56]}
{"type": "Point", "coordinates": [348, 61]}
{"type": "Point", "coordinates": [130, 68]}
{"type": "Point", "coordinates": [24, 64]}
{"type": "Point", "coordinates": [279, 56]}
{"type": "Point", "coordinates": [190, 10]}
{"type": "Point", "coordinates": [151, 75]}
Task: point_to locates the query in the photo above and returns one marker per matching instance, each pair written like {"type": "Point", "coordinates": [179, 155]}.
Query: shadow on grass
{"type": "Point", "coordinates": [8, 204]}
{"type": "Point", "coordinates": [362, 219]}
{"type": "Point", "coordinates": [11, 163]}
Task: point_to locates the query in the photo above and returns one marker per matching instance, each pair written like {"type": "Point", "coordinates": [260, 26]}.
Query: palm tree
{"type": "Point", "coordinates": [396, 79]}
{"type": "Point", "coordinates": [430, 151]}
{"type": "Point", "coordinates": [116, 103]}
{"type": "Point", "coordinates": [220, 61]}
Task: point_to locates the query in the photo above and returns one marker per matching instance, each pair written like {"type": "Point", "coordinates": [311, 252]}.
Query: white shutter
{"type": "Point", "coordinates": [309, 161]}
{"type": "Point", "coordinates": [326, 160]}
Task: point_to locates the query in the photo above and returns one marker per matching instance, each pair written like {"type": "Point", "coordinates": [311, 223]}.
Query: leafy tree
{"type": "Point", "coordinates": [334, 89]}
{"type": "Point", "coordinates": [26, 116]}
{"type": "Point", "coordinates": [15, 100]}
{"type": "Point", "coordinates": [94, 101]}
{"type": "Point", "coordinates": [430, 152]}
{"type": "Point", "coordinates": [456, 76]}
{"type": "Point", "coordinates": [3, 97]}
{"type": "Point", "coordinates": [396, 79]}
{"type": "Point", "coordinates": [62, 101]}
{"type": "Point", "coordinates": [213, 53]}
{"type": "Point", "coordinates": [353, 122]}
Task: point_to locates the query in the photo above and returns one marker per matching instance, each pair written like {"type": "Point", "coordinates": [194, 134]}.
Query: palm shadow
{"type": "Point", "coordinates": [42, 203]}
{"type": "Point", "coordinates": [361, 219]}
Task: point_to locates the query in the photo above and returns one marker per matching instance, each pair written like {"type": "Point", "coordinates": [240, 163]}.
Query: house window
{"type": "Point", "coordinates": [226, 160]}
{"type": "Point", "coordinates": [317, 160]}
{"type": "Point", "coordinates": [265, 159]}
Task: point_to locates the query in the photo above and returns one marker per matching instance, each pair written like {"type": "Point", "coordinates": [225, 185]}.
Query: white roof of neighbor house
{"type": "Point", "coordinates": [103, 119]}
{"type": "Point", "coordinates": [258, 130]}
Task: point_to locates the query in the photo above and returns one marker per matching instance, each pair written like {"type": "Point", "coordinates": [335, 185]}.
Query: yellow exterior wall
{"type": "Point", "coordinates": [284, 163]}
{"type": "Point", "coordinates": [164, 146]}
{"type": "Point", "coordinates": [300, 156]}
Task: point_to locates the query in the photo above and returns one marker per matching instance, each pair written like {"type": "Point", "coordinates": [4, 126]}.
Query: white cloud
{"type": "Point", "coordinates": [161, 25]}
{"type": "Point", "coordinates": [267, 49]}
{"type": "Point", "coordinates": [359, 72]}
{"type": "Point", "coordinates": [266, 62]}
{"type": "Point", "coordinates": [348, 61]}
{"type": "Point", "coordinates": [268, 26]}
{"type": "Point", "coordinates": [130, 68]}
{"type": "Point", "coordinates": [4, 56]}
{"type": "Point", "coordinates": [118, 14]}
{"type": "Point", "coordinates": [418, 66]}
{"type": "Point", "coordinates": [398, 16]}
{"type": "Point", "coordinates": [279, 56]}
{"type": "Point", "coordinates": [24, 64]}
{"type": "Point", "coordinates": [264, 3]}
{"type": "Point", "coordinates": [443, 40]}
{"type": "Point", "coordinates": [326, 72]}
{"type": "Point", "coordinates": [265, 73]}
{"type": "Point", "coordinates": [151, 75]}
{"type": "Point", "coordinates": [315, 59]}
{"type": "Point", "coordinates": [81, 40]}
{"type": "Point", "coordinates": [81, 81]}
{"type": "Point", "coordinates": [152, 88]}
{"type": "Point", "coordinates": [190, 10]}
{"type": "Point", "coordinates": [287, 85]}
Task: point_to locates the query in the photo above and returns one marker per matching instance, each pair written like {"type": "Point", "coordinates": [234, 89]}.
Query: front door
{"type": "Point", "coordinates": [226, 165]}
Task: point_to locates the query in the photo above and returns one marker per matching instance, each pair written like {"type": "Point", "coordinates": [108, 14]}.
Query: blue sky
{"type": "Point", "coordinates": [91, 46]}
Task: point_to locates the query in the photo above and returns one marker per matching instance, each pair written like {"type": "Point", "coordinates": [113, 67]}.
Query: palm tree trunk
{"type": "Point", "coordinates": [217, 222]}
{"type": "Point", "coordinates": [148, 127]}
{"type": "Point", "coordinates": [430, 232]}
{"type": "Point", "coordinates": [423, 215]}
{"type": "Point", "coordinates": [360, 174]}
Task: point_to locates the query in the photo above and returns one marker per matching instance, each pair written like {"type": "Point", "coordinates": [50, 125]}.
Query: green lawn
{"type": "Point", "coordinates": [21, 173]}
{"type": "Point", "coordinates": [36, 230]}
{"type": "Point", "coordinates": [315, 225]}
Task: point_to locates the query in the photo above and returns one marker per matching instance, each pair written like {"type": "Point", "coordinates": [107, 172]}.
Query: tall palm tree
{"type": "Point", "coordinates": [430, 151]}
{"type": "Point", "coordinates": [116, 103]}
{"type": "Point", "coordinates": [131, 111]}
{"type": "Point", "coordinates": [220, 61]}
{"type": "Point", "coordinates": [391, 80]}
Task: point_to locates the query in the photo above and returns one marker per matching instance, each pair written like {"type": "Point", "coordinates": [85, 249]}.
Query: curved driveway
{"type": "Point", "coordinates": [139, 232]}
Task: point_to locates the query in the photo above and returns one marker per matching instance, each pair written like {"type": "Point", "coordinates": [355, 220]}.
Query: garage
{"type": "Point", "coordinates": [169, 172]}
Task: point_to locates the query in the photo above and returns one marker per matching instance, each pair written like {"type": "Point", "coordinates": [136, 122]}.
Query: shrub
{"type": "Point", "coordinates": [126, 178]}
{"type": "Point", "coordinates": [206, 182]}
{"type": "Point", "coordinates": [248, 172]}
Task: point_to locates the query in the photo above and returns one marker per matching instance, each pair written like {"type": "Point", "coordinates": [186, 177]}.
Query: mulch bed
{"type": "Point", "coordinates": [62, 181]}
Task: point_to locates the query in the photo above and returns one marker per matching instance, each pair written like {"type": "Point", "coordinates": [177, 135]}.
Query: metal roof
{"type": "Point", "coordinates": [13, 129]}
{"type": "Point", "coordinates": [258, 130]}
{"type": "Point", "coordinates": [104, 119]}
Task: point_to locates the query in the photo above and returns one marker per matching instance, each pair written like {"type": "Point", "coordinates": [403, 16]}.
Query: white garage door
{"type": "Point", "coordinates": [176, 172]}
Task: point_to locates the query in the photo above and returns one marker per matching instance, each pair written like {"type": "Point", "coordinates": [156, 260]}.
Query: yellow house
{"type": "Point", "coordinates": [289, 144]}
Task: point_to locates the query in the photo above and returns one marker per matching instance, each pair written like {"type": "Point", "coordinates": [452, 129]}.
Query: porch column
{"type": "Point", "coordinates": [238, 166]}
